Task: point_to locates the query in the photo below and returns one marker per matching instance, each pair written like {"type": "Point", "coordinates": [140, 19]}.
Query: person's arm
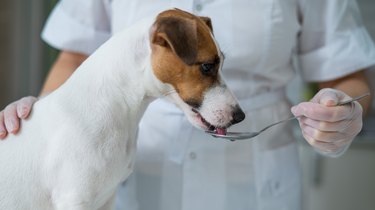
{"type": "Point", "coordinates": [330, 129]}
{"type": "Point", "coordinates": [64, 66]}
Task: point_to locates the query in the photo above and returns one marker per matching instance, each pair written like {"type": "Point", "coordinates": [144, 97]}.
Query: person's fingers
{"type": "Point", "coordinates": [326, 126]}
{"type": "Point", "coordinates": [3, 132]}
{"type": "Point", "coordinates": [324, 136]}
{"type": "Point", "coordinates": [321, 112]}
{"type": "Point", "coordinates": [11, 121]}
{"type": "Point", "coordinates": [327, 147]}
{"type": "Point", "coordinates": [24, 106]}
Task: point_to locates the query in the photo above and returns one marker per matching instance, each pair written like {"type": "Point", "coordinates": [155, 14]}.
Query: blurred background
{"type": "Point", "coordinates": [344, 183]}
{"type": "Point", "coordinates": [24, 58]}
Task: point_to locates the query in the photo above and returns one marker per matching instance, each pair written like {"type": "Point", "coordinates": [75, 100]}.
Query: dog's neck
{"type": "Point", "coordinates": [116, 83]}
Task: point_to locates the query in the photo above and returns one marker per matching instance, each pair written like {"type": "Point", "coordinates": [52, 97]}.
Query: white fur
{"type": "Point", "coordinates": [79, 141]}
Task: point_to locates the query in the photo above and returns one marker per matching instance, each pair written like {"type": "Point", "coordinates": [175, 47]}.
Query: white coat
{"type": "Point", "coordinates": [179, 167]}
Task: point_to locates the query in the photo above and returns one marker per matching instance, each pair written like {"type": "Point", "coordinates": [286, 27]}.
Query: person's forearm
{"type": "Point", "coordinates": [354, 85]}
{"type": "Point", "coordinates": [62, 69]}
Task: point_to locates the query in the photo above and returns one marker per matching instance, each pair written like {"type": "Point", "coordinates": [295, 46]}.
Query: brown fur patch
{"type": "Point", "coordinates": [172, 60]}
{"type": "Point", "coordinates": [208, 22]}
{"type": "Point", "coordinates": [179, 35]}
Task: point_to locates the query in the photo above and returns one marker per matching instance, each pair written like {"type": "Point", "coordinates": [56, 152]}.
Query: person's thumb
{"type": "Point", "coordinates": [329, 97]}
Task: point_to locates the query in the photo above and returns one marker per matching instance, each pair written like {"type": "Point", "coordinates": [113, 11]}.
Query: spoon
{"type": "Point", "coordinates": [248, 135]}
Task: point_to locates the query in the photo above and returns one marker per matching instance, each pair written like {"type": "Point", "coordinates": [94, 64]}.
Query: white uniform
{"type": "Point", "coordinates": [179, 167]}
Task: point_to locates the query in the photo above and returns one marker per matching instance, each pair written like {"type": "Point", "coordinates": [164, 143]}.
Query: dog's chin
{"type": "Point", "coordinates": [197, 120]}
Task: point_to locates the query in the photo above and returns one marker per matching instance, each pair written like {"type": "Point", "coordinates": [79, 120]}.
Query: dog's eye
{"type": "Point", "coordinates": [207, 68]}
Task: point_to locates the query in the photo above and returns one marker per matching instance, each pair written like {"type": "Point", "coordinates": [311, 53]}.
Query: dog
{"type": "Point", "coordinates": [79, 142]}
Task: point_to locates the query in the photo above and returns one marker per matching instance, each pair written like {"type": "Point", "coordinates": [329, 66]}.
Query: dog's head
{"type": "Point", "coordinates": [186, 56]}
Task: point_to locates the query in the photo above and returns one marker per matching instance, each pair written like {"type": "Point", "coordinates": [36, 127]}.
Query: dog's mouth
{"type": "Point", "coordinates": [209, 126]}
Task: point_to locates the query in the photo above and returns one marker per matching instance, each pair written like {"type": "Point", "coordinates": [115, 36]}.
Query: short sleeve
{"type": "Point", "coordinates": [333, 41]}
{"type": "Point", "coordinates": [78, 25]}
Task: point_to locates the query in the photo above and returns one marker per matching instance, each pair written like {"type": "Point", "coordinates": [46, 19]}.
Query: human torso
{"type": "Point", "coordinates": [258, 38]}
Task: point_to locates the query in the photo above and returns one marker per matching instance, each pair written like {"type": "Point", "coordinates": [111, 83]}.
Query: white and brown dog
{"type": "Point", "coordinates": [79, 141]}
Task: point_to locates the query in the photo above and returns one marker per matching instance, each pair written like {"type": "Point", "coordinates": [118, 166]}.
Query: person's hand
{"type": "Point", "coordinates": [330, 129]}
{"type": "Point", "coordinates": [11, 115]}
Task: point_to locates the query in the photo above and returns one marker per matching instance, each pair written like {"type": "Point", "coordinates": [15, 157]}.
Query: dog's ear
{"type": "Point", "coordinates": [207, 21]}
{"type": "Point", "coordinates": [178, 34]}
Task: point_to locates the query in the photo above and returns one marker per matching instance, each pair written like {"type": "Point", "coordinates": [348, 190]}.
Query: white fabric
{"type": "Point", "coordinates": [181, 168]}
{"type": "Point", "coordinates": [337, 32]}
{"type": "Point", "coordinates": [77, 26]}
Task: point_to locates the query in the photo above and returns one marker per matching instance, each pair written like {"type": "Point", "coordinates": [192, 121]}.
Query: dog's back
{"type": "Point", "coordinates": [25, 151]}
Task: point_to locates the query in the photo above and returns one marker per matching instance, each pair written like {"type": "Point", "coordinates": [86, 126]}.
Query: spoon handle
{"type": "Point", "coordinates": [282, 121]}
{"type": "Point", "coordinates": [353, 99]}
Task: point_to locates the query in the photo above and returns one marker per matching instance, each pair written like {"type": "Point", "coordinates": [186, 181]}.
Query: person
{"type": "Point", "coordinates": [182, 168]}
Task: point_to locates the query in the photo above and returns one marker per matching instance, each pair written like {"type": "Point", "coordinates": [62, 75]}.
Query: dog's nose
{"type": "Point", "coordinates": [238, 115]}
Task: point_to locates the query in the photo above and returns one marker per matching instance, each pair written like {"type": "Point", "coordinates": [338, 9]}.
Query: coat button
{"type": "Point", "coordinates": [193, 155]}
{"type": "Point", "coordinates": [198, 7]}
{"type": "Point", "coordinates": [276, 185]}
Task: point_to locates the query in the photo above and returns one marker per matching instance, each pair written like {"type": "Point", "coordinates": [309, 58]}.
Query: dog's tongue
{"type": "Point", "coordinates": [221, 131]}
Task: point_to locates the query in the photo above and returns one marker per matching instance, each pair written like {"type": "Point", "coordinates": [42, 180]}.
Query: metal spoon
{"type": "Point", "coordinates": [248, 135]}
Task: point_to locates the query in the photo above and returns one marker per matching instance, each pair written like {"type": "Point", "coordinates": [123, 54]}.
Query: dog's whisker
{"type": "Point", "coordinates": [169, 92]}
